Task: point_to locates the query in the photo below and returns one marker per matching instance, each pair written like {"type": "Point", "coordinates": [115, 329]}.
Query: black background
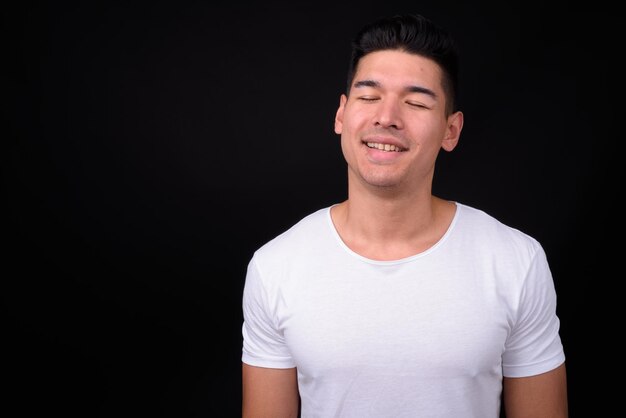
{"type": "Point", "coordinates": [152, 147]}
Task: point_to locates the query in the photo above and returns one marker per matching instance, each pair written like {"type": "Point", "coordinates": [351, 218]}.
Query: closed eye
{"type": "Point", "coordinates": [418, 105]}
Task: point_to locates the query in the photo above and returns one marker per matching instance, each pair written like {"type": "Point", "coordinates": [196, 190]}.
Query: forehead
{"type": "Point", "coordinates": [394, 67]}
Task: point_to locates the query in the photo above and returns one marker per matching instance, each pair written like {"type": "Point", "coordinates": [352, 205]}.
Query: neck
{"type": "Point", "coordinates": [387, 223]}
{"type": "Point", "coordinates": [402, 211]}
{"type": "Point", "coordinates": [384, 230]}
{"type": "Point", "coordinates": [377, 218]}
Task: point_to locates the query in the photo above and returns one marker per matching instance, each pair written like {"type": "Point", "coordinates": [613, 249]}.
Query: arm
{"type": "Point", "coordinates": [541, 396]}
{"type": "Point", "coordinates": [269, 393]}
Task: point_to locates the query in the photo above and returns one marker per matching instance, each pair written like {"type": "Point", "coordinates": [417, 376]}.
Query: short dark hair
{"type": "Point", "coordinates": [415, 34]}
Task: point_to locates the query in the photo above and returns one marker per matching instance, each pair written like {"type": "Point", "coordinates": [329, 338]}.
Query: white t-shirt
{"type": "Point", "coordinates": [429, 335]}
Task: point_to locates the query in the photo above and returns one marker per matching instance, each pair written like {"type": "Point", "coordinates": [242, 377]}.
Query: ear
{"type": "Point", "coordinates": [453, 131]}
{"type": "Point", "coordinates": [339, 116]}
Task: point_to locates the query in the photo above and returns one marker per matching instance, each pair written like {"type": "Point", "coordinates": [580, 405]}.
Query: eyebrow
{"type": "Point", "coordinates": [410, 89]}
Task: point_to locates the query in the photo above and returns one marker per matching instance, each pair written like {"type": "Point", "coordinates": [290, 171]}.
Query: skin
{"type": "Point", "coordinates": [396, 99]}
{"type": "Point", "coordinates": [540, 396]}
{"type": "Point", "coordinates": [269, 393]}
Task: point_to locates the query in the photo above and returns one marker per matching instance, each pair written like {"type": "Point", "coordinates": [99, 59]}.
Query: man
{"type": "Point", "coordinates": [396, 303]}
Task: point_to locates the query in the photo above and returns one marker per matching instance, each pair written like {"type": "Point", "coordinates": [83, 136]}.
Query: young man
{"type": "Point", "coordinates": [396, 303]}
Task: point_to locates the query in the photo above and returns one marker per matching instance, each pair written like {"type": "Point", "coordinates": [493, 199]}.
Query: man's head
{"type": "Point", "coordinates": [413, 34]}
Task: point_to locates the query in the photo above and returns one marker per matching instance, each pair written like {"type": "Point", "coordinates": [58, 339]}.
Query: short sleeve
{"type": "Point", "coordinates": [534, 345]}
{"type": "Point", "coordinates": [263, 343]}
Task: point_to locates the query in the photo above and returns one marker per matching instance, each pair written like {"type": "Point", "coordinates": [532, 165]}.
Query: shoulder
{"type": "Point", "coordinates": [304, 234]}
{"type": "Point", "coordinates": [293, 250]}
{"type": "Point", "coordinates": [488, 233]}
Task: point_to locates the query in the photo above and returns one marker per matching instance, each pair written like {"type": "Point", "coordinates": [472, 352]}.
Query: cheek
{"type": "Point", "coordinates": [346, 150]}
{"type": "Point", "coordinates": [427, 132]}
{"type": "Point", "coordinates": [354, 118]}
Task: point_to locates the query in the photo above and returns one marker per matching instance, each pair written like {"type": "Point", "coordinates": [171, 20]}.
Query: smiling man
{"type": "Point", "coordinates": [395, 302]}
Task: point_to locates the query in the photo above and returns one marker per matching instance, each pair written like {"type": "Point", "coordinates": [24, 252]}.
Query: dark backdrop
{"type": "Point", "coordinates": [152, 147]}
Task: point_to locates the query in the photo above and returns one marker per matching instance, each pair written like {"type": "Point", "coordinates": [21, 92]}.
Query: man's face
{"type": "Point", "coordinates": [393, 122]}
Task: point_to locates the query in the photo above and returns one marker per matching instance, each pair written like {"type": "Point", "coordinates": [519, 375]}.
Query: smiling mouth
{"type": "Point", "coordinates": [384, 147]}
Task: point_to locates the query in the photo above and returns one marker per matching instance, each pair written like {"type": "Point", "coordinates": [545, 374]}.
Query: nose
{"type": "Point", "coordinates": [388, 115]}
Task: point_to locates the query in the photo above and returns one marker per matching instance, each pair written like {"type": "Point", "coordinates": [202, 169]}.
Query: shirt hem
{"type": "Point", "coordinates": [533, 369]}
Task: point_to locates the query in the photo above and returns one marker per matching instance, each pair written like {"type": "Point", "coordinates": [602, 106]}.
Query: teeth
{"type": "Point", "coordinates": [384, 147]}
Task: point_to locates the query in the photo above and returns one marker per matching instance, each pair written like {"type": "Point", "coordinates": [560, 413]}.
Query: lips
{"type": "Point", "coordinates": [384, 140]}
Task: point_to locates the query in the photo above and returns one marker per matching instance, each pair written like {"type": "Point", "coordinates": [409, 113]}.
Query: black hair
{"type": "Point", "coordinates": [415, 34]}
